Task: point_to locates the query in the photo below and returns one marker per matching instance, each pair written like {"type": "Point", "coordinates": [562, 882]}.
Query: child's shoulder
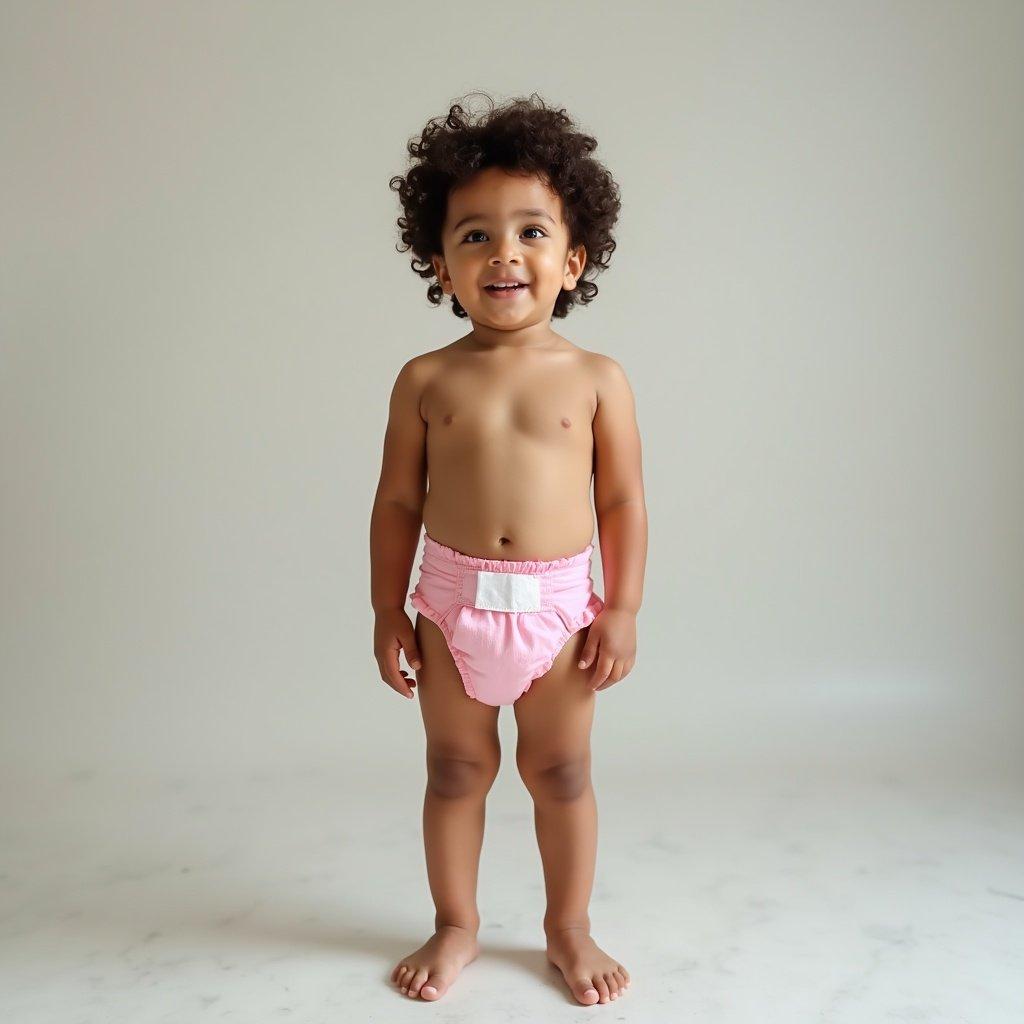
{"type": "Point", "coordinates": [607, 379]}
{"type": "Point", "coordinates": [420, 368]}
{"type": "Point", "coordinates": [413, 383]}
{"type": "Point", "coordinates": [604, 368]}
{"type": "Point", "coordinates": [597, 360]}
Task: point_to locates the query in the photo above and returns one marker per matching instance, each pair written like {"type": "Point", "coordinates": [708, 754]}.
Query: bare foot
{"type": "Point", "coordinates": [591, 973]}
{"type": "Point", "coordinates": [434, 966]}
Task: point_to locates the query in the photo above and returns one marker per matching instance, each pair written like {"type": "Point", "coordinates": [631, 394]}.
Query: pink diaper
{"type": "Point", "coordinates": [504, 621]}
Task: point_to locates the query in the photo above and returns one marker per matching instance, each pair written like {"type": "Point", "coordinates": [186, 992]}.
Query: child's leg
{"type": "Point", "coordinates": [553, 754]}
{"type": "Point", "coordinates": [463, 754]}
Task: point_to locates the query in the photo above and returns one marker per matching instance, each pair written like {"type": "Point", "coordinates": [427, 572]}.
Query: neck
{"type": "Point", "coordinates": [537, 335]}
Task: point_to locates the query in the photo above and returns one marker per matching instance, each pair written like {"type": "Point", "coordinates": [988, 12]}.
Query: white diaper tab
{"type": "Point", "coordinates": [507, 591]}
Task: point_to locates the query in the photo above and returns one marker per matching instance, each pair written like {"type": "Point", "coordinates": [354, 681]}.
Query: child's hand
{"type": "Point", "coordinates": [392, 632]}
{"type": "Point", "coordinates": [611, 646]}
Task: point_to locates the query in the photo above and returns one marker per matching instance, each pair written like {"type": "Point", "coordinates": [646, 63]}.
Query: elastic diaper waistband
{"type": "Point", "coordinates": [435, 551]}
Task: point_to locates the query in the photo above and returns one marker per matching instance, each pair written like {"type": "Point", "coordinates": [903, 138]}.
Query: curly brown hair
{"type": "Point", "coordinates": [524, 135]}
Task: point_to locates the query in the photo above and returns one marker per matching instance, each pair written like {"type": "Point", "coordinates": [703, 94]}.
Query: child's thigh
{"type": "Point", "coordinates": [455, 723]}
{"type": "Point", "coordinates": [554, 717]}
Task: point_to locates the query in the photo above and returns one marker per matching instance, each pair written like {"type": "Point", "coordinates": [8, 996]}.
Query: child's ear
{"type": "Point", "coordinates": [574, 264]}
{"type": "Point", "coordinates": [443, 277]}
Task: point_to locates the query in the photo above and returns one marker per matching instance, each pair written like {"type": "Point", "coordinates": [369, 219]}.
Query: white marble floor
{"type": "Point", "coordinates": [290, 896]}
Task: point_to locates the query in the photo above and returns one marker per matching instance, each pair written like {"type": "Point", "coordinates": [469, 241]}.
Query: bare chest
{"type": "Point", "coordinates": [555, 409]}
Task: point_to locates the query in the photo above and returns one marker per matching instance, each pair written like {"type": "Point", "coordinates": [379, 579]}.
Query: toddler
{"type": "Point", "coordinates": [510, 215]}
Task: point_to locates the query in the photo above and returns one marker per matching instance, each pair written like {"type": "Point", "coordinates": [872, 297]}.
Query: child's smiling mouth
{"type": "Point", "coordinates": [506, 291]}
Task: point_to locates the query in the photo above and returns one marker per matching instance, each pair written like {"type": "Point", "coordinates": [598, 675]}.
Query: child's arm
{"type": "Point", "coordinates": [395, 526]}
{"type": "Point", "coordinates": [622, 526]}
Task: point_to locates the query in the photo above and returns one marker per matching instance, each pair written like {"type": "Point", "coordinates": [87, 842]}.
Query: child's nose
{"type": "Point", "coordinates": [506, 251]}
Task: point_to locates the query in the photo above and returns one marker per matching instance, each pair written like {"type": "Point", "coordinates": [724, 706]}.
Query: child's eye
{"type": "Point", "coordinates": [532, 227]}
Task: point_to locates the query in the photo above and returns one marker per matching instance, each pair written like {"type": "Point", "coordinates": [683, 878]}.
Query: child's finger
{"type": "Point", "coordinates": [412, 654]}
{"type": "Point", "coordinates": [589, 650]}
{"type": "Point", "coordinates": [393, 674]}
{"type": "Point", "coordinates": [615, 676]}
{"type": "Point", "coordinates": [601, 670]}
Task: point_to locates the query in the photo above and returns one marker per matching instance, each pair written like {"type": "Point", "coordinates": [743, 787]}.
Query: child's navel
{"type": "Point", "coordinates": [566, 422]}
{"type": "Point", "coordinates": [448, 418]}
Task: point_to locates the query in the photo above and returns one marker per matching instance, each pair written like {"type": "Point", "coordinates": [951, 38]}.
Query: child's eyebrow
{"type": "Point", "coordinates": [533, 212]}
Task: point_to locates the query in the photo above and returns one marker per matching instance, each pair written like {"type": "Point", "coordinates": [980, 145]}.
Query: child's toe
{"type": "Point", "coordinates": [602, 988]}
{"type": "Point", "coordinates": [417, 981]}
{"type": "Point", "coordinates": [434, 987]}
{"type": "Point", "coordinates": [585, 992]}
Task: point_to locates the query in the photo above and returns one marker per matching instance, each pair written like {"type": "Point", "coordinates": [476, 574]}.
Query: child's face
{"type": "Point", "coordinates": [500, 225]}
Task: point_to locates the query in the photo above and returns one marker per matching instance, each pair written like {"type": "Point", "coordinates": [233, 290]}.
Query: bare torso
{"type": "Point", "coordinates": [510, 450]}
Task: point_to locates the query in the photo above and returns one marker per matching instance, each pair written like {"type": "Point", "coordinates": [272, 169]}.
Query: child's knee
{"type": "Point", "coordinates": [559, 779]}
{"type": "Point", "coordinates": [451, 775]}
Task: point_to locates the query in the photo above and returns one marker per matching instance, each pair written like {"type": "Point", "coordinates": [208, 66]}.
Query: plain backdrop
{"type": "Point", "coordinates": [816, 297]}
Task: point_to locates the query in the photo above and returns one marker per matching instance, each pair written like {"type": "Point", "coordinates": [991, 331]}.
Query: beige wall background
{"type": "Point", "coordinates": [816, 295]}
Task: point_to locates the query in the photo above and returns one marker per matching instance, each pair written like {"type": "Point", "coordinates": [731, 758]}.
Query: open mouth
{"type": "Point", "coordinates": [505, 291]}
